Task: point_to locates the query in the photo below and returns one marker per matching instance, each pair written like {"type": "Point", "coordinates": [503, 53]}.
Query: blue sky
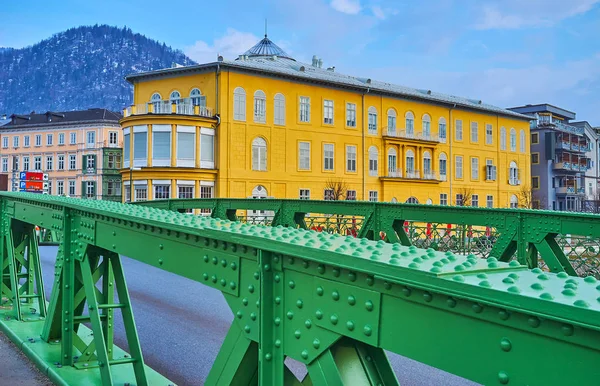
{"type": "Point", "coordinates": [505, 52]}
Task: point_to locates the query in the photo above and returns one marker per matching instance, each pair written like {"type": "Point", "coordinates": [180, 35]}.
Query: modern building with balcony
{"type": "Point", "coordinates": [80, 151]}
{"type": "Point", "coordinates": [563, 158]}
{"type": "Point", "coordinates": [266, 125]}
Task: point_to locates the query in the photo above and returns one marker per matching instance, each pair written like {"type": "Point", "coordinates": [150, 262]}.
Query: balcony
{"type": "Point", "coordinates": [113, 144]}
{"type": "Point", "coordinates": [413, 174]}
{"type": "Point", "coordinates": [406, 134]}
{"type": "Point", "coordinates": [565, 166]}
{"type": "Point", "coordinates": [184, 106]}
{"type": "Point", "coordinates": [570, 190]}
{"type": "Point", "coordinates": [542, 123]}
{"type": "Point", "coordinates": [574, 147]}
{"type": "Point", "coordinates": [394, 174]}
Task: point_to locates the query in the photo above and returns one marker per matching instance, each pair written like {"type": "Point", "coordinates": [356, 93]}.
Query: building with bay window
{"type": "Point", "coordinates": [265, 125]}
{"type": "Point", "coordinates": [79, 150]}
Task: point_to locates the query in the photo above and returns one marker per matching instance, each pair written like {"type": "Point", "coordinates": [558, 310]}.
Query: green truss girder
{"type": "Point", "coordinates": [336, 303]}
{"type": "Point", "coordinates": [521, 230]}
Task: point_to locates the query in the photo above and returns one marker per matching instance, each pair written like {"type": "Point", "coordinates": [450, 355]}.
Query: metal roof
{"type": "Point", "coordinates": [50, 118]}
{"type": "Point", "coordinates": [283, 66]}
{"type": "Point", "coordinates": [266, 48]}
{"type": "Point", "coordinates": [544, 107]}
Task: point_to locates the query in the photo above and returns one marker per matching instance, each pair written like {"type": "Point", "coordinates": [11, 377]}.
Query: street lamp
{"type": "Point", "coordinates": [131, 169]}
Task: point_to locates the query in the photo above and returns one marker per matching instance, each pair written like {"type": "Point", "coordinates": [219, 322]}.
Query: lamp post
{"type": "Point", "coordinates": [131, 169]}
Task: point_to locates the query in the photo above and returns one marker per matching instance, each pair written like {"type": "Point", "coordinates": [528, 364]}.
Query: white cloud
{"type": "Point", "coordinates": [378, 12]}
{"type": "Point", "coordinates": [230, 45]}
{"type": "Point", "coordinates": [351, 7]}
{"type": "Point", "coordinates": [514, 14]}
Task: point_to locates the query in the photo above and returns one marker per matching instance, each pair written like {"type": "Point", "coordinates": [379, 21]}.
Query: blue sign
{"type": "Point", "coordinates": [22, 185]}
{"type": "Point", "coordinates": [22, 175]}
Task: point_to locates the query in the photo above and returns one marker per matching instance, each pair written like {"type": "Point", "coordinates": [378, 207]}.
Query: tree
{"type": "Point", "coordinates": [335, 189]}
{"type": "Point", "coordinates": [464, 196]}
{"type": "Point", "coordinates": [527, 198]}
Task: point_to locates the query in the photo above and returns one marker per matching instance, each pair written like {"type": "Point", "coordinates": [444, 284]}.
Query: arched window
{"type": "Point", "coordinates": [426, 126]}
{"type": "Point", "coordinates": [410, 164]}
{"type": "Point", "coordinates": [259, 154]}
{"type": "Point", "coordinates": [239, 104]}
{"type": "Point", "coordinates": [259, 216]}
{"type": "Point", "coordinates": [260, 107]}
{"type": "Point", "coordinates": [514, 201]}
{"type": "Point", "coordinates": [372, 120]}
{"type": "Point", "coordinates": [391, 126]}
{"type": "Point", "coordinates": [429, 201]}
{"type": "Point", "coordinates": [197, 98]}
{"type": "Point", "coordinates": [522, 141]}
{"type": "Point", "coordinates": [513, 173]}
{"type": "Point", "coordinates": [513, 140]}
{"type": "Point", "coordinates": [443, 166]}
{"type": "Point", "coordinates": [410, 124]}
{"type": "Point", "coordinates": [373, 159]}
{"type": "Point", "coordinates": [175, 97]}
{"type": "Point", "coordinates": [427, 165]}
{"type": "Point", "coordinates": [259, 191]}
{"type": "Point", "coordinates": [412, 200]}
{"type": "Point", "coordinates": [392, 163]}
{"type": "Point", "coordinates": [394, 200]}
{"type": "Point", "coordinates": [156, 99]}
{"type": "Point", "coordinates": [279, 103]}
{"type": "Point", "coordinates": [502, 138]}
{"type": "Point", "coordinates": [442, 129]}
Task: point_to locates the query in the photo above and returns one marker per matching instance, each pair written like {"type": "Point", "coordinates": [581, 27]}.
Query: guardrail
{"type": "Point", "coordinates": [331, 303]}
{"type": "Point", "coordinates": [551, 240]}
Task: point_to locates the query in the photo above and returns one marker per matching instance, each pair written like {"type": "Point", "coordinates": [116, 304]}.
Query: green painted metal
{"type": "Point", "coordinates": [330, 302]}
{"type": "Point", "coordinates": [533, 237]}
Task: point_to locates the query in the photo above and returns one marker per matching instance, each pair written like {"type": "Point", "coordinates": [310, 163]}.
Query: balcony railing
{"type": "Point", "coordinates": [565, 190]}
{"type": "Point", "coordinates": [112, 144]}
{"type": "Point", "coordinates": [430, 175]}
{"type": "Point", "coordinates": [443, 177]}
{"type": "Point", "coordinates": [419, 136]}
{"type": "Point", "coordinates": [413, 174]}
{"type": "Point", "coordinates": [560, 126]}
{"type": "Point", "coordinates": [182, 107]}
{"type": "Point", "coordinates": [394, 174]}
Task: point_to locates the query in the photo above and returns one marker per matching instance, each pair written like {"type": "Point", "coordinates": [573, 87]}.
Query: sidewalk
{"type": "Point", "coordinates": [16, 369]}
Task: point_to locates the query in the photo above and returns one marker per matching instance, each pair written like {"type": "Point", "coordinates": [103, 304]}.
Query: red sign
{"type": "Point", "coordinates": [31, 176]}
{"type": "Point", "coordinates": [34, 185]}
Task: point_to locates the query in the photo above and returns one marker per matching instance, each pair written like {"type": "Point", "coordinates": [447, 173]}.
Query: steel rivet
{"type": "Point", "coordinates": [333, 319]}
{"type": "Point", "coordinates": [505, 345]}
{"type": "Point", "coordinates": [351, 300]}
{"type": "Point", "coordinates": [335, 295]}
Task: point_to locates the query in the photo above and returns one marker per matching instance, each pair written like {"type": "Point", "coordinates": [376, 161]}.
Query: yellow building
{"type": "Point", "coordinates": [79, 150]}
{"type": "Point", "coordinates": [265, 125]}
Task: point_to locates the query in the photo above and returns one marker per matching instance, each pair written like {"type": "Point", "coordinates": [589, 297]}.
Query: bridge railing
{"type": "Point", "coordinates": [553, 241]}
{"type": "Point", "coordinates": [332, 303]}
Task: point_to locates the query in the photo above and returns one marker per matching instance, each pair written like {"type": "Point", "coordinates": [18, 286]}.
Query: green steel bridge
{"type": "Point", "coordinates": [496, 296]}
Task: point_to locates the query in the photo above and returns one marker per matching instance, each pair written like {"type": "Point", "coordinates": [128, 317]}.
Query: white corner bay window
{"type": "Point", "coordinates": [161, 145]}
{"type": "Point", "coordinates": [186, 146]}
{"type": "Point", "coordinates": [207, 148]}
{"type": "Point", "coordinates": [140, 145]}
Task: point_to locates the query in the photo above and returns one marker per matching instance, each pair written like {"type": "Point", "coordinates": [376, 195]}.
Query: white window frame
{"type": "Point", "coordinates": [279, 109]}
{"type": "Point", "coordinates": [140, 161]}
{"type": "Point", "coordinates": [458, 166]}
{"type": "Point", "coordinates": [260, 107]}
{"type": "Point", "coordinates": [458, 127]}
{"type": "Point", "coordinates": [206, 163]}
{"type": "Point", "coordinates": [26, 141]}
{"type": "Point", "coordinates": [61, 139]}
{"type": "Point", "coordinates": [474, 132]}
{"type": "Point", "coordinates": [72, 162]}
{"type": "Point", "coordinates": [162, 128]}
{"type": "Point", "coordinates": [304, 194]}
{"type": "Point", "coordinates": [16, 141]}
{"type": "Point", "coordinates": [350, 114]}
{"type": "Point", "coordinates": [489, 134]}
{"type": "Point", "coordinates": [489, 201]}
{"type": "Point", "coordinates": [372, 120]}
{"type": "Point", "coordinates": [239, 104]}
{"type": "Point", "coordinates": [259, 154]}
{"type": "Point", "coordinates": [475, 200]}
{"type": "Point", "coordinates": [328, 156]}
{"type": "Point", "coordinates": [184, 162]}
{"type": "Point", "coordinates": [49, 139]}
{"type": "Point", "coordinates": [60, 162]}
{"type": "Point", "coordinates": [304, 109]}
{"type": "Point", "coordinates": [351, 158]}
{"type": "Point", "coordinates": [328, 112]}
{"type": "Point", "coordinates": [474, 168]}
{"type": "Point", "coordinates": [304, 155]}
{"type": "Point", "coordinates": [373, 195]}
{"type": "Point", "coordinates": [502, 138]}
{"type": "Point", "coordinates": [373, 161]}
{"type": "Point", "coordinates": [73, 138]}
{"type": "Point", "coordinates": [443, 198]}
{"type": "Point", "coordinates": [513, 140]}
{"type": "Point", "coordinates": [442, 130]}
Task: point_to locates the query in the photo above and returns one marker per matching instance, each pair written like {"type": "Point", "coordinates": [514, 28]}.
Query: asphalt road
{"type": "Point", "coordinates": [181, 325]}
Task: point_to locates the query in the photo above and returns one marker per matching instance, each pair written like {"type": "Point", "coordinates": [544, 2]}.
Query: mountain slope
{"type": "Point", "coordinates": [80, 68]}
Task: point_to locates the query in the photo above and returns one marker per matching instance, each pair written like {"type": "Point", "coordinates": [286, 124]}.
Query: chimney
{"type": "Point", "coordinates": [315, 61]}
{"type": "Point", "coordinates": [320, 63]}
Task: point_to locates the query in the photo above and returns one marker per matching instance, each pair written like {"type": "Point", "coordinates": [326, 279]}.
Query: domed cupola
{"type": "Point", "coordinates": [266, 48]}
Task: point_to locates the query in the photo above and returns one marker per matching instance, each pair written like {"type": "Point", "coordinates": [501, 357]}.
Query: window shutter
{"type": "Point", "coordinates": [84, 164]}
{"type": "Point", "coordinates": [83, 188]}
{"type": "Point", "coordinates": [494, 173]}
{"type": "Point", "coordinates": [94, 188]}
{"type": "Point", "coordinates": [94, 158]}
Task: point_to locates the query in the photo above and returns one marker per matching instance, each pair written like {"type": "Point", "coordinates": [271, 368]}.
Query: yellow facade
{"type": "Point", "coordinates": [233, 176]}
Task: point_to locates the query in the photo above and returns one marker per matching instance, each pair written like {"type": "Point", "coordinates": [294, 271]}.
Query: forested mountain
{"type": "Point", "coordinates": [80, 68]}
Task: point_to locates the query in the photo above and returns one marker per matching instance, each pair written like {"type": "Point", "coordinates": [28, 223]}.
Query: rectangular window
{"type": "Point", "coordinates": [328, 156]}
{"type": "Point", "coordinates": [60, 188]}
{"type": "Point", "coordinates": [90, 189]}
{"type": "Point", "coordinates": [25, 163]}
{"type": "Point", "coordinates": [460, 200]}
{"type": "Point", "coordinates": [475, 200]}
{"type": "Point", "coordinates": [126, 148]}
{"type": "Point", "coordinates": [442, 132]}
{"type": "Point", "coordinates": [49, 187]}
{"type": "Point", "coordinates": [37, 163]}
{"type": "Point", "coordinates": [114, 161]}
{"type": "Point", "coordinates": [535, 138]}
{"type": "Point", "coordinates": [328, 195]}
{"type": "Point", "coordinates": [161, 145]}
{"type": "Point", "coordinates": [72, 162]}
{"type": "Point", "coordinates": [113, 138]}
{"type": "Point", "coordinates": [328, 112]}
{"type": "Point", "coordinates": [350, 158]}
{"type": "Point", "coordinates": [61, 138]}
{"type": "Point", "coordinates": [71, 187]}
{"type": "Point", "coordinates": [49, 162]}
{"type": "Point", "coordinates": [140, 192]}
{"type": "Point", "coordinates": [490, 170]}
{"type": "Point", "coordinates": [206, 192]}
{"type": "Point", "coordinates": [351, 195]}
{"type": "Point", "coordinates": [535, 158]}
{"type": "Point", "coordinates": [5, 164]}
{"type": "Point", "coordinates": [113, 188]}
{"type": "Point", "coordinates": [73, 138]}
{"type": "Point", "coordinates": [490, 201]}
{"type": "Point", "coordinates": [186, 148]}
{"type": "Point", "coordinates": [26, 141]}
{"type": "Point", "coordinates": [140, 148]}
{"type": "Point", "coordinates": [535, 182]}
{"type": "Point", "coordinates": [38, 140]}
{"type": "Point", "coordinates": [372, 121]}
{"type": "Point", "coordinates": [279, 118]}
{"type": "Point", "coordinates": [15, 167]}
{"type": "Point", "coordinates": [61, 162]}
{"type": "Point", "coordinates": [49, 139]}
{"type": "Point", "coordinates": [373, 195]}
{"type": "Point", "coordinates": [350, 114]}
{"type": "Point", "coordinates": [304, 155]}
{"type": "Point", "coordinates": [5, 142]}
{"type": "Point", "coordinates": [458, 166]}
{"type": "Point", "coordinates": [260, 109]}
{"type": "Point", "coordinates": [474, 168]}
{"type": "Point", "coordinates": [162, 192]}
{"type": "Point", "coordinates": [489, 134]}
{"type": "Point", "coordinates": [185, 191]}
{"type": "Point", "coordinates": [305, 194]}
{"type": "Point", "coordinates": [459, 130]}
{"type": "Point", "coordinates": [443, 198]}
{"type": "Point", "coordinates": [304, 109]}
{"type": "Point", "coordinates": [207, 150]}
{"type": "Point", "coordinates": [90, 162]}
{"type": "Point", "coordinates": [474, 132]}
{"type": "Point", "coordinates": [91, 138]}
{"type": "Point", "coordinates": [15, 141]}
{"type": "Point", "coordinates": [239, 105]}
